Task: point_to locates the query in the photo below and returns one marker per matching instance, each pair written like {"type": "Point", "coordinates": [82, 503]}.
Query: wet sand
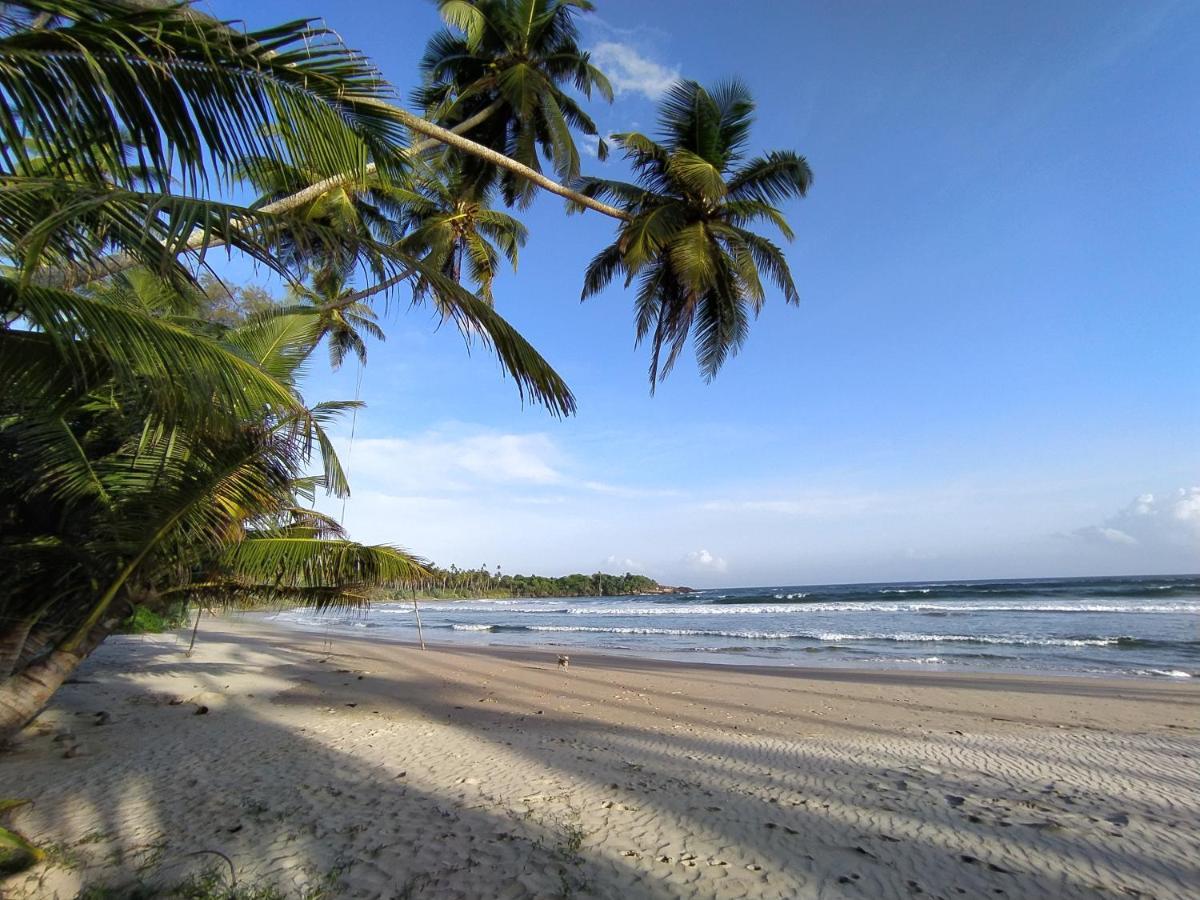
{"type": "Point", "coordinates": [379, 770]}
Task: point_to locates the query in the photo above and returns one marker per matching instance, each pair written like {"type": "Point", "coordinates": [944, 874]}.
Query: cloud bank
{"type": "Point", "coordinates": [554, 503]}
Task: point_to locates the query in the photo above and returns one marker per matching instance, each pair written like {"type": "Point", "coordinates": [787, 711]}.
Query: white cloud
{"type": "Point", "coordinates": [703, 561]}
{"type": "Point", "coordinates": [1099, 534]}
{"type": "Point", "coordinates": [630, 72]}
{"type": "Point", "coordinates": [621, 564]}
{"type": "Point", "coordinates": [1152, 522]}
{"type": "Point", "coordinates": [1187, 505]}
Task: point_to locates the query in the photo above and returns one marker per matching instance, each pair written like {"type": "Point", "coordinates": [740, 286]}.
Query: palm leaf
{"type": "Point", "coordinates": [187, 374]}
{"type": "Point", "coordinates": [191, 93]}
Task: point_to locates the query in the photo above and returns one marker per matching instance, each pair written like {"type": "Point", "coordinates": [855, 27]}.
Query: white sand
{"type": "Point", "coordinates": [453, 773]}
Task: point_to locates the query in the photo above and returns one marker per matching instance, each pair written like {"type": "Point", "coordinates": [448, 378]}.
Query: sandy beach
{"type": "Point", "coordinates": [348, 768]}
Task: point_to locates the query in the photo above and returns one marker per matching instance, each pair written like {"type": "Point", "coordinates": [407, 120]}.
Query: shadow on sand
{"type": "Point", "coordinates": [321, 810]}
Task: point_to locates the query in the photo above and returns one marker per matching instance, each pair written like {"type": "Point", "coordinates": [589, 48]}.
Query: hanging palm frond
{"type": "Point", "coordinates": [193, 96]}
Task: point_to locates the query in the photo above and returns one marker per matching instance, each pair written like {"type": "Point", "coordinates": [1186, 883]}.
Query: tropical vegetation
{"type": "Point", "coordinates": [455, 583]}
{"type": "Point", "coordinates": [158, 452]}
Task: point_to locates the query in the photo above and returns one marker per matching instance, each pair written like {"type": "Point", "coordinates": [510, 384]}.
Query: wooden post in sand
{"type": "Point", "coordinates": [417, 613]}
{"type": "Point", "coordinates": [195, 628]}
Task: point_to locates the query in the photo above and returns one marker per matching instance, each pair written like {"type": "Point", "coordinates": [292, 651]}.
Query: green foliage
{"type": "Point", "coordinates": [144, 620]}
{"type": "Point", "coordinates": [212, 884]}
{"type": "Point", "coordinates": [156, 447]}
{"type": "Point", "coordinates": [112, 500]}
{"type": "Point", "coordinates": [451, 225]}
{"type": "Point", "coordinates": [465, 583]}
{"type": "Point", "coordinates": [192, 95]}
{"type": "Point", "coordinates": [16, 853]}
{"type": "Point", "coordinates": [687, 244]}
{"type": "Point", "coordinates": [516, 56]}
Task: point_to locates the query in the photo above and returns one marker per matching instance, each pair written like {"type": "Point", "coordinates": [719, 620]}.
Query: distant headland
{"type": "Point", "coordinates": [454, 583]}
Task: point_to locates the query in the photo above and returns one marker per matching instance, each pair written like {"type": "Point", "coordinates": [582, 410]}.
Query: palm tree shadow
{"type": "Point", "coordinates": [169, 793]}
{"type": "Point", "coordinates": [461, 814]}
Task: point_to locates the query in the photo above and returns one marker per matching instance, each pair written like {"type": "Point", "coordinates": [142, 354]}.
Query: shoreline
{"type": "Point", "coordinates": [714, 658]}
{"type": "Point", "coordinates": [488, 771]}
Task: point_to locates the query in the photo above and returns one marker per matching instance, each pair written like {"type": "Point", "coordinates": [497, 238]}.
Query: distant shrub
{"type": "Point", "coordinates": [144, 620]}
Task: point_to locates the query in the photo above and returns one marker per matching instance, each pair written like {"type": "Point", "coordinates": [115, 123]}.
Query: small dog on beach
{"type": "Point", "coordinates": [563, 661]}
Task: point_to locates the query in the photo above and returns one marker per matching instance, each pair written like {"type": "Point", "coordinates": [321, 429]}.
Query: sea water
{"type": "Point", "coordinates": [1136, 626]}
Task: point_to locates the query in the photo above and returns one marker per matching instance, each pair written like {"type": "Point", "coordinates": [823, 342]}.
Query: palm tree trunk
{"type": "Point", "coordinates": [12, 642]}
{"type": "Point", "coordinates": [119, 262]}
{"type": "Point", "coordinates": [448, 136]}
{"type": "Point", "coordinates": [23, 695]}
{"type": "Point", "coordinates": [25, 692]}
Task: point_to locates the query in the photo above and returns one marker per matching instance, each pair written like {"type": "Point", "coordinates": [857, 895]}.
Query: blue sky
{"type": "Point", "coordinates": [993, 371]}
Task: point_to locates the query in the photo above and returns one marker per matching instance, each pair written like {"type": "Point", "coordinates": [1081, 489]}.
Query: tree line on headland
{"type": "Point", "coordinates": [456, 583]}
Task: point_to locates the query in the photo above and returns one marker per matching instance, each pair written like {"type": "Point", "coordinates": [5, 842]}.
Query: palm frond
{"type": "Point", "coordinates": [778, 176]}
{"type": "Point", "coordinates": [190, 93]}
{"type": "Point", "coordinates": [186, 374]}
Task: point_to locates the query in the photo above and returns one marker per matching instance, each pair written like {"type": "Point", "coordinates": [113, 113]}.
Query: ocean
{"type": "Point", "coordinates": [1145, 626]}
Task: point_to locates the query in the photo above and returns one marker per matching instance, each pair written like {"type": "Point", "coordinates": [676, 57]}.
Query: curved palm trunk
{"type": "Point", "coordinates": [12, 642]}
{"type": "Point", "coordinates": [25, 692]}
{"type": "Point", "coordinates": [435, 135]}
{"type": "Point", "coordinates": [119, 262]}
{"type": "Point", "coordinates": [448, 136]}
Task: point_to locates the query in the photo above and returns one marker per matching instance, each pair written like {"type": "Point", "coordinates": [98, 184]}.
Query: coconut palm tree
{"type": "Point", "coordinates": [687, 239]}
{"type": "Point", "coordinates": [147, 452]}
{"type": "Point", "coordinates": [509, 61]}
{"type": "Point", "coordinates": [161, 96]}
{"type": "Point", "coordinates": [342, 321]}
{"type": "Point", "coordinates": [111, 505]}
{"type": "Point", "coordinates": [452, 227]}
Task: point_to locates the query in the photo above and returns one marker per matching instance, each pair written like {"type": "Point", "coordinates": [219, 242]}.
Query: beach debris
{"type": "Point", "coordinates": [103, 718]}
{"type": "Point", "coordinates": [1119, 819]}
{"type": "Point", "coordinates": [74, 750]}
{"type": "Point", "coordinates": [63, 736]}
{"type": "Point", "coordinates": [954, 800]}
{"type": "Point", "coordinates": [201, 710]}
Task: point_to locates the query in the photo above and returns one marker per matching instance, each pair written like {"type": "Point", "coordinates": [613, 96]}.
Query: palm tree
{"type": "Point", "coordinates": [687, 239]}
{"type": "Point", "coordinates": [161, 96]}
{"type": "Point", "coordinates": [342, 321]}
{"type": "Point", "coordinates": [150, 453]}
{"type": "Point", "coordinates": [451, 227]}
{"type": "Point", "coordinates": [111, 505]}
{"type": "Point", "coordinates": [367, 208]}
{"type": "Point", "coordinates": [509, 61]}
